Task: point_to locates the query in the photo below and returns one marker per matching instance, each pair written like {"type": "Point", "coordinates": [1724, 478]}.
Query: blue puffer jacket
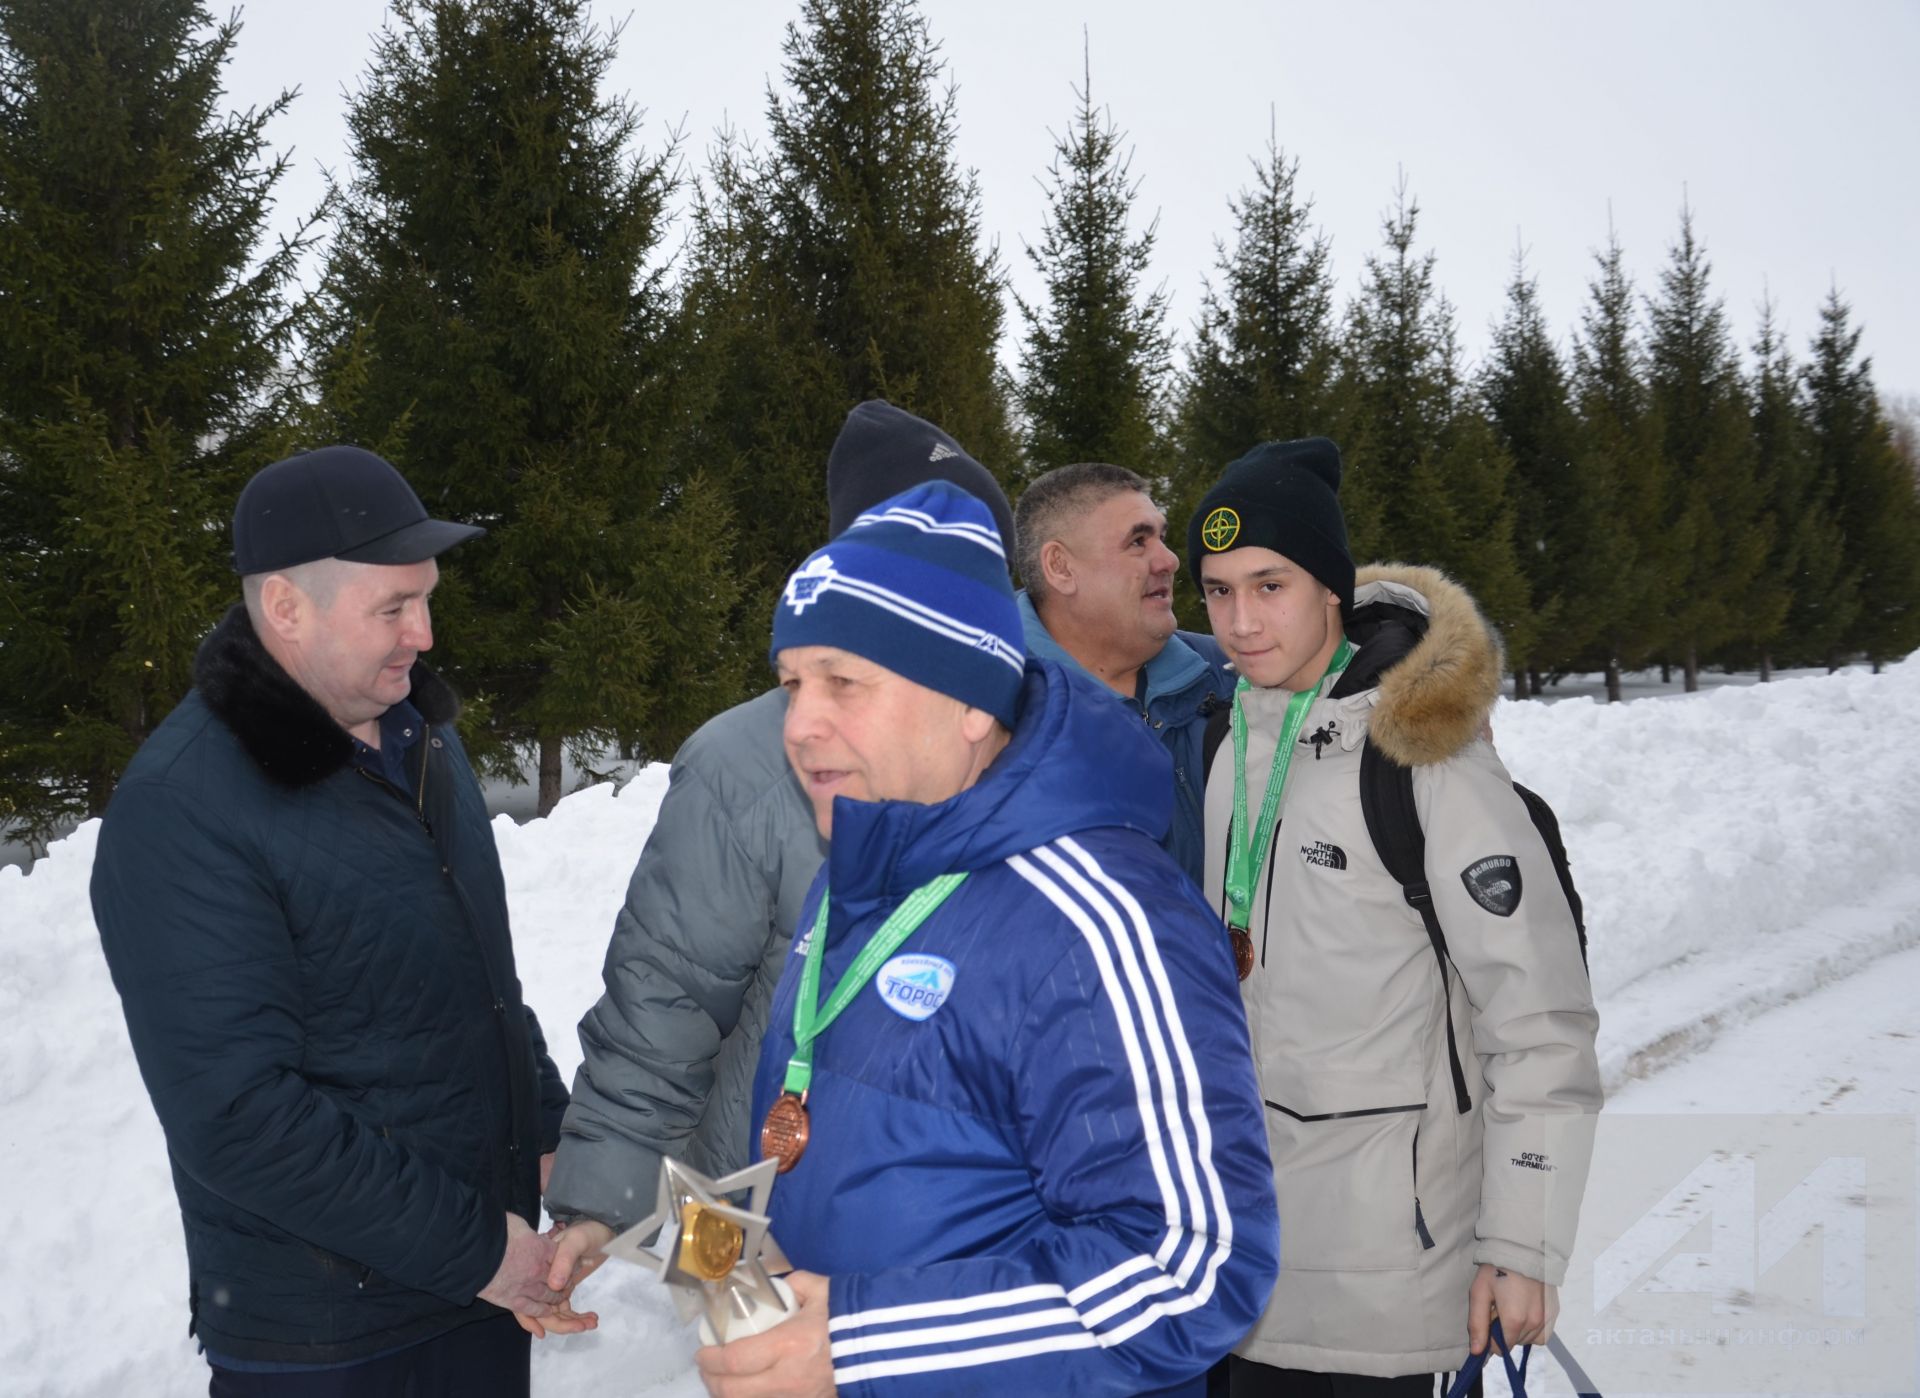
{"type": "Point", "coordinates": [1056, 1180]}
{"type": "Point", "coordinates": [321, 994]}
{"type": "Point", "coordinates": [1185, 684]}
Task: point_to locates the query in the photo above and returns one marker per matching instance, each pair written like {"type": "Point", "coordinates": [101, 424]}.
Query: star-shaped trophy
{"type": "Point", "coordinates": [720, 1258]}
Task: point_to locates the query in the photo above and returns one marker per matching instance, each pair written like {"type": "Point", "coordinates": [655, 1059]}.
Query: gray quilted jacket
{"type": "Point", "coordinates": [1388, 1196]}
{"type": "Point", "coordinates": [671, 1046]}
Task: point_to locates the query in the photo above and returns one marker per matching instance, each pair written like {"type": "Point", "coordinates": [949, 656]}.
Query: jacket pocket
{"type": "Point", "coordinates": [1343, 1164]}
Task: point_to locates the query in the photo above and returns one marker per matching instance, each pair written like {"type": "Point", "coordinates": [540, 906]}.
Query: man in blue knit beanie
{"type": "Point", "coordinates": [1006, 1075]}
{"type": "Point", "coordinates": [916, 590]}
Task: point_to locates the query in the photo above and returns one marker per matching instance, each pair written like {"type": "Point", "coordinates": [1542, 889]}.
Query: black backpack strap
{"type": "Point", "coordinates": [1393, 823]}
{"type": "Point", "coordinates": [1548, 824]}
{"type": "Point", "coordinates": [1219, 725]}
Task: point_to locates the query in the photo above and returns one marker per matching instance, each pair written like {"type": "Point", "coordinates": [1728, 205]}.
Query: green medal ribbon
{"type": "Point", "coordinates": [810, 1019]}
{"type": "Point", "coordinates": [1245, 857]}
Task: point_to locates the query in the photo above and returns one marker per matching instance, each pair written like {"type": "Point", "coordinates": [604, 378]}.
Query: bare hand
{"type": "Point", "coordinates": [791, 1360]}
{"type": "Point", "coordinates": [520, 1283]}
{"type": "Point", "coordinates": [565, 1272]}
{"type": "Point", "coordinates": [576, 1252]}
{"type": "Point", "coordinates": [1527, 1309]}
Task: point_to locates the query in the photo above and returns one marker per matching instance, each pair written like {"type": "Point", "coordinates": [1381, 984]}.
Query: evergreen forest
{"type": "Point", "coordinates": [485, 296]}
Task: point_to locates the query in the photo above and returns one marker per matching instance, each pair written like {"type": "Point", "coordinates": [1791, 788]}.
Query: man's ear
{"type": "Point", "coordinates": [283, 606]}
{"type": "Point", "coordinates": [1056, 566]}
{"type": "Point", "coordinates": [976, 724]}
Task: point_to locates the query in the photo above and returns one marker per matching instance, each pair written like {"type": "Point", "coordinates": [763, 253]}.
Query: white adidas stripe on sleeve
{"type": "Point", "coordinates": [1179, 1143]}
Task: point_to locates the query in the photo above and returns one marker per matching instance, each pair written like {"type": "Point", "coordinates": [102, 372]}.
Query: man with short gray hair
{"type": "Point", "coordinates": [1098, 574]}
{"type": "Point", "coordinates": [301, 904]}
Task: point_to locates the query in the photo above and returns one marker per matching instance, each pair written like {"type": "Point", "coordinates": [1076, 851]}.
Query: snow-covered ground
{"type": "Point", "coordinates": [1743, 853]}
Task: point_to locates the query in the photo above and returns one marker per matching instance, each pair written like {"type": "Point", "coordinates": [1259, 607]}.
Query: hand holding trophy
{"type": "Point", "coordinates": [720, 1258]}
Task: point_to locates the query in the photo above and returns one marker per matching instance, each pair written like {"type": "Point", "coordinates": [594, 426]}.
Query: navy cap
{"type": "Point", "coordinates": [336, 502]}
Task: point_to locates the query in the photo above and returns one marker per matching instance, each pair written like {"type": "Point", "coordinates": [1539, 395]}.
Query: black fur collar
{"type": "Point", "coordinates": [282, 727]}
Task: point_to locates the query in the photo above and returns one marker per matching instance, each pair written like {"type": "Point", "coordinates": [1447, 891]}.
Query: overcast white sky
{"type": "Point", "coordinates": [1791, 128]}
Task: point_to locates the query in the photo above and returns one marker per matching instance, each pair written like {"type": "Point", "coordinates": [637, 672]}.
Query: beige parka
{"type": "Point", "coordinates": [1388, 1196]}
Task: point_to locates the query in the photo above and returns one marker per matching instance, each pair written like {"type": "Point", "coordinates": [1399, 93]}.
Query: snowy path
{"type": "Point", "coordinates": [1851, 1047]}
{"type": "Point", "coordinates": [1846, 1055]}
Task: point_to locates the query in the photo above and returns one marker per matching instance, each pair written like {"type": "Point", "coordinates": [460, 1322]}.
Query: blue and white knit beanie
{"type": "Point", "coordinates": [918, 584]}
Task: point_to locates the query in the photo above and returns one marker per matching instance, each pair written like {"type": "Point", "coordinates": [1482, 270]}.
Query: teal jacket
{"type": "Point", "coordinates": [1180, 690]}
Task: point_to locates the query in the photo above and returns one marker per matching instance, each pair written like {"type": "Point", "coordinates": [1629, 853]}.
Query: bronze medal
{"type": "Point", "coordinates": [1242, 952]}
{"type": "Point", "coordinates": [783, 1137]}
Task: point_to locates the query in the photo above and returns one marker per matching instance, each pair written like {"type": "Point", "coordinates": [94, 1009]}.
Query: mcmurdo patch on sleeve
{"type": "Point", "coordinates": [1494, 883]}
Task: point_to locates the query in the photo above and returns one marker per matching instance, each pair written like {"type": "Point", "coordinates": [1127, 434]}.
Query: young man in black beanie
{"type": "Point", "coordinates": [1414, 1201]}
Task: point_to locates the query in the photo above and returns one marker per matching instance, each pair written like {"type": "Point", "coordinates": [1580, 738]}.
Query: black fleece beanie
{"type": "Point", "coordinates": [1283, 496]}
{"type": "Point", "coordinates": [883, 450]}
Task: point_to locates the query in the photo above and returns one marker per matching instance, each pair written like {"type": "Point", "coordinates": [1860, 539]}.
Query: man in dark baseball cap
{"type": "Point", "coordinates": [301, 904]}
{"type": "Point", "coordinates": [336, 502]}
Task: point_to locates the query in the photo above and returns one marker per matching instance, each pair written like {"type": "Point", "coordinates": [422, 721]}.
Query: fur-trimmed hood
{"type": "Point", "coordinates": [283, 728]}
{"type": "Point", "coordinates": [1435, 660]}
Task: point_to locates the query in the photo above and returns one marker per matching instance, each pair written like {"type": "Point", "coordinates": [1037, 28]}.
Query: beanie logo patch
{"type": "Point", "coordinates": [803, 588]}
{"type": "Point", "coordinates": [941, 451]}
{"type": "Point", "coordinates": [1220, 529]}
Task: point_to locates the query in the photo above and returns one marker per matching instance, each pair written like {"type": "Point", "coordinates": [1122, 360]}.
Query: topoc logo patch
{"type": "Point", "coordinates": [915, 985]}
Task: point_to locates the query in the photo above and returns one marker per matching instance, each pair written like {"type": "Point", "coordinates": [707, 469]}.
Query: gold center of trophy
{"type": "Point", "coordinates": [709, 1244]}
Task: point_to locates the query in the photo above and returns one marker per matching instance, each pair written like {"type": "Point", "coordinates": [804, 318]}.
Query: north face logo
{"type": "Point", "coordinates": [1494, 883]}
{"type": "Point", "coordinates": [1322, 855]}
{"type": "Point", "coordinates": [941, 451]}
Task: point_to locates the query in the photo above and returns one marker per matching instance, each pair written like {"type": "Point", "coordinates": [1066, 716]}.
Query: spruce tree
{"type": "Point", "coordinates": [878, 226]}
{"type": "Point", "coordinates": [1807, 559]}
{"type": "Point", "coordinates": [1095, 363]}
{"type": "Point", "coordinates": [1902, 412]}
{"type": "Point", "coordinates": [1874, 490]}
{"type": "Point", "coordinates": [142, 330]}
{"type": "Point", "coordinates": [1717, 517]}
{"type": "Point", "coordinates": [759, 393]}
{"type": "Point", "coordinates": [1263, 345]}
{"type": "Point", "coordinates": [1427, 479]}
{"type": "Point", "coordinates": [1621, 470]}
{"type": "Point", "coordinates": [842, 262]}
{"type": "Point", "coordinates": [1262, 355]}
{"type": "Point", "coordinates": [492, 323]}
{"type": "Point", "coordinates": [1525, 389]}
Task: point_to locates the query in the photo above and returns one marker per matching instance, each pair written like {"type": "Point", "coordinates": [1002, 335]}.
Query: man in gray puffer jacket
{"type": "Point", "coordinates": [1405, 1221]}
{"type": "Point", "coordinates": [670, 1047]}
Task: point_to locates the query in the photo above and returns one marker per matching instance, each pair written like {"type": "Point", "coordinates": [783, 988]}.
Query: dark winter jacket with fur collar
{"type": "Point", "coordinates": [320, 990]}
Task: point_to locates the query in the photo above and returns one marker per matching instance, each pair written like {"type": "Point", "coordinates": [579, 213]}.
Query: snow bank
{"type": "Point", "coordinates": [1735, 849]}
